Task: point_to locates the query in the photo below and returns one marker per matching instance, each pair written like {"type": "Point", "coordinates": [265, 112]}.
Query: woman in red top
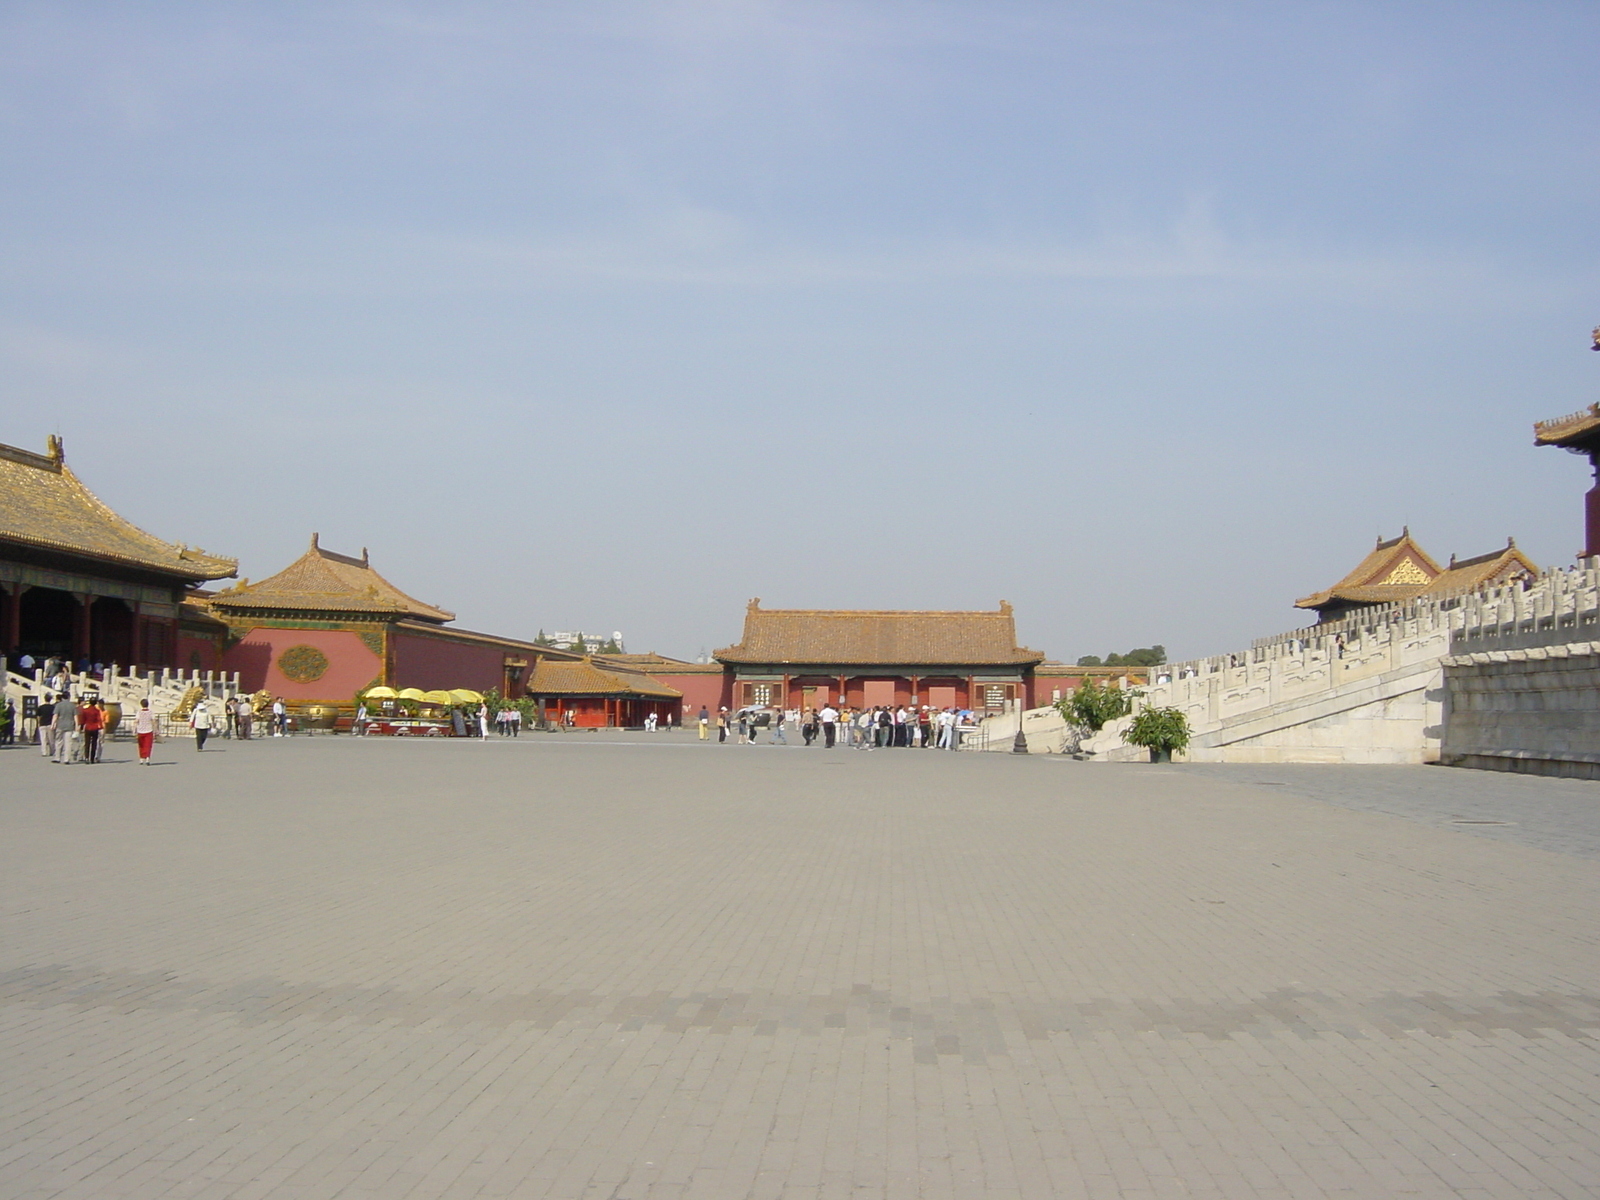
{"type": "Point", "coordinates": [91, 719]}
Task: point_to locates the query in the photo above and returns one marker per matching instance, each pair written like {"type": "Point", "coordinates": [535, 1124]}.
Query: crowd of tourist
{"type": "Point", "coordinates": [875, 727]}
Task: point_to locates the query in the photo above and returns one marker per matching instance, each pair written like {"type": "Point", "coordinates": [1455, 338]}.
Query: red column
{"type": "Point", "coordinates": [1591, 514]}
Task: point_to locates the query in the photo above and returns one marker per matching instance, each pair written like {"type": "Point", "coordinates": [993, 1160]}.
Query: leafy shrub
{"type": "Point", "coordinates": [1092, 705]}
{"type": "Point", "coordinates": [1160, 729]}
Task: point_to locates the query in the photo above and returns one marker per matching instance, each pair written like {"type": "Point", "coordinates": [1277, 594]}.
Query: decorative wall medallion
{"type": "Point", "coordinates": [303, 664]}
{"type": "Point", "coordinates": [373, 641]}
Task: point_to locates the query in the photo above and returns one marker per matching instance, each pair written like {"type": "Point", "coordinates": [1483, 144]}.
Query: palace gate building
{"type": "Point", "coordinates": [78, 581]}
{"type": "Point", "coordinates": [805, 658]}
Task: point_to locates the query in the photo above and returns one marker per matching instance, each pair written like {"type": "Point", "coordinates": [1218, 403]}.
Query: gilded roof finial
{"type": "Point", "coordinates": [314, 545]}
{"type": "Point", "coordinates": [753, 605]}
{"type": "Point", "coordinates": [363, 556]}
{"type": "Point", "coordinates": [1596, 336]}
{"type": "Point", "coordinates": [55, 448]}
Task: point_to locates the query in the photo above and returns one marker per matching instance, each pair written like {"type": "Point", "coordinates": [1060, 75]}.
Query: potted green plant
{"type": "Point", "coordinates": [1160, 731]}
{"type": "Point", "coordinates": [1091, 705]}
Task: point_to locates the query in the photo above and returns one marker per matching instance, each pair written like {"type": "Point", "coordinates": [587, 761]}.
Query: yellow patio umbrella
{"type": "Point", "coordinates": [435, 697]}
{"type": "Point", "coordinates": [410, 694]}
{"type": "Point", "coordinates": [380, 693]}
{"type": "Point", "coordinates": [466, 696]}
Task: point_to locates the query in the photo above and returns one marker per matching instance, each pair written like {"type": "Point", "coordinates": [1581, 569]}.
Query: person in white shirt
{"type": "Point", "coordinates": [200, 722]}
{"type": "Point", "coordinates": [830, 725]}
{"type": "Point", "coordinates": [144, 727]}
{"type": "Point", "coordinates": [280, 718]}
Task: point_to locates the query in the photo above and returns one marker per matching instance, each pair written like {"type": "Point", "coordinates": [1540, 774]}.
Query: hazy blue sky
{"type": "Point", "coordinates": [1147, 317]}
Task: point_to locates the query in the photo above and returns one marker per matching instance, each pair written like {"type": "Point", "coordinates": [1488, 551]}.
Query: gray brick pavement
{"type": "Point", "coordinates": [588, 967]}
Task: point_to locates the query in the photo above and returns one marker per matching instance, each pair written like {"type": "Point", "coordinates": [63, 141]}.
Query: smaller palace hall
{"type": "Point", "coordinates": [805, 658]}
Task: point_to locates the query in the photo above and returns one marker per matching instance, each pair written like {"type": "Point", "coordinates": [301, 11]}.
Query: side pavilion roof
{"type": "Point", "coordinates": [45, 506]}
{"type": "Point", "coordinates": [322, 581]}
{"type": "Point", "coordinates": [1399, 570]}
{"type": "Point", "coordinates": [1393, 571]}
{"type": "Point", "coordinates": [585, 678]}
{"type": "Point", "coordinates": [847, 637]}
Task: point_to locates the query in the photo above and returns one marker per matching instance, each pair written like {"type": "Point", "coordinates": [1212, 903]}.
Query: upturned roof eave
{"type": "Point", "coordinates": [217, 568]}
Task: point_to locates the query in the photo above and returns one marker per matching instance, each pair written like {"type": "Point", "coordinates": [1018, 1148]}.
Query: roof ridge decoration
{"type": "Point", "coordinates": [322, 580]}
{"type": "Point", "coordinates": [43, 503]}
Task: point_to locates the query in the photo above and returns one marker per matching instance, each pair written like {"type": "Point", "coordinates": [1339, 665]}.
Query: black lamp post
{"type": "Point", "coordinates": [1020, 746]}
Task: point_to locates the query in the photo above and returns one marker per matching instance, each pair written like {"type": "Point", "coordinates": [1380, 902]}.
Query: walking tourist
{"type": "Point", "coordinates": [516, 722]}
{"type": "Point", "coordinates": [92, 720]}
{"type": "Point", "coordinates": [722, 724]}
{"type": "Point", "coordinates": [705, 723]}
{"type": "Point", "coordinates": [200, 722]}
{"type": "Point", "coordinates": [779, 737]}
{"type": "Point", "coordinates": [830, 725]}
{"type": "Point", "coordinates": [483, 721]}
{"type": "Point", "coordinates": [144, 729]}
{"type": "Point", "coordinates": [66, 729]}
{"type": "Point", "coordinates": [280, 718]}
{"type": "Point", "coordinates": [47, 725]}
{"type": "Point", "coordinates": [246, 716]}
{"type": "Point", "coordinates": [359, 725]}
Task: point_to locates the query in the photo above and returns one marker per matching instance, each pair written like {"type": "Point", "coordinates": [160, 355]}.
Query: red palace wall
{"type": "Point", "coordinates": [351, 665]}
{"type": "Point", "coordinates": [711, 690]}
{"type": "Point", "coordinates": [435, 663]}
{"type": "Point", "coordinates": [199, 654]}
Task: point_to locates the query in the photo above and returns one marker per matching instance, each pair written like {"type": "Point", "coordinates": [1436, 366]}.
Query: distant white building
{"type": "Point", "coordinates": [589, 643]}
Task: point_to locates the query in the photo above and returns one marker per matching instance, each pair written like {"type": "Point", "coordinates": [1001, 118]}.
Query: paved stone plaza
{"type": "Point", "coordinates": [614, 966]}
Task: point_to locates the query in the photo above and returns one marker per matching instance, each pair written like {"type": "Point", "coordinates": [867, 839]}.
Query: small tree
{"type": "Point", "coordinates": [1160, 731]}
{"type": "Point", "coordinates": [1091, 705]}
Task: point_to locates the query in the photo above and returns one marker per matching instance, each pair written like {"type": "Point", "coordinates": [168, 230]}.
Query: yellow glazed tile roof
{"type": "Point", "coordinates": [1487, 570]}
{"type": "Point", "coordinates": [1561, 430]}
{"type": "Point", "coordinates": [1399, 570]}
{"type": "Point", "coordinates": [866, 637]}
{"type": "Point", "coordinates": [43, 504]}
{"type": "Point", "coordinates": [1394, 570]}
{"type": "Point", "coordinates": [322, 581]}
{"type": "Point", "coordinates": [586, 679]}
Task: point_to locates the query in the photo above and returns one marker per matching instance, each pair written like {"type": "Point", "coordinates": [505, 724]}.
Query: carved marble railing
{"type": "Point", "coordinates": [164, 689]}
